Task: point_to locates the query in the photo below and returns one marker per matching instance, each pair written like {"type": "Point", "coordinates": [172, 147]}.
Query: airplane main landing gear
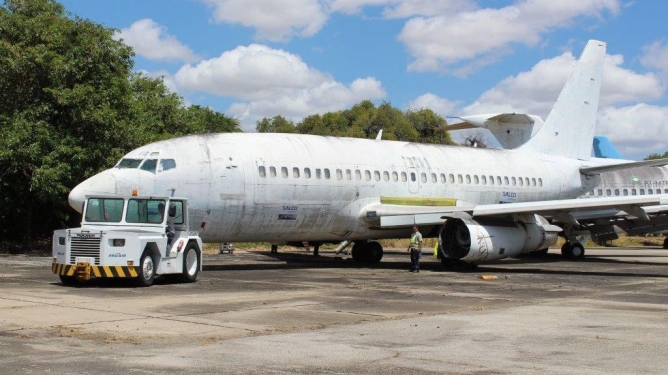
{"type": "Point", "coordinates": [367, 252]}
{"type": "Point", "coordinates": [574, 251]}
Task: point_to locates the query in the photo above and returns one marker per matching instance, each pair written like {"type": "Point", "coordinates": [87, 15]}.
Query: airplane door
{"type": "Point", "coordinates": [412, 171]}
{"type": "Point", "coordinates": [227, 194]}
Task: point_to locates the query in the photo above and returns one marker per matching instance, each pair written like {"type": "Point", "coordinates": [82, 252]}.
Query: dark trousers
{"type": "Point", "coordinates": [415, 258]}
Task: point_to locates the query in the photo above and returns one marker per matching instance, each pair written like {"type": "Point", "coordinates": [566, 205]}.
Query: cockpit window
{"type": "Point", "coordinates": [166, 164]}
{"type": "Point", "coordinates": [149, 165]}
{"type": "Point", "coordinates": [129, 163]}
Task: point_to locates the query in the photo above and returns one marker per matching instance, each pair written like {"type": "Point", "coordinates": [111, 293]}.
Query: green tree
{"type": "Point", "coordinates": [276, 124]}
{"type": "Point", "coordinates": [657, 156]}
{"type": "Point", "coordinates": [429, 125]}
{"type": "Point", "coordinates": [70, 106]}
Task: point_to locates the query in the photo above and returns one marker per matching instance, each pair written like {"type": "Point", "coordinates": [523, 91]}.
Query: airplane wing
{"type": "Point", "coordinates": [385, 216]}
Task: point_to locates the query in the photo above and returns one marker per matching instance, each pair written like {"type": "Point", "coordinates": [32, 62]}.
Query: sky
{"type": "Point", "coordinates": [252, 59]}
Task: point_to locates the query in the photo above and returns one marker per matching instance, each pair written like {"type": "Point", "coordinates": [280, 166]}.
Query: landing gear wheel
{"type": "Point", "coordinates": [374, 252]}
{"type": "Point", "coordinates": [665, 243]}
{"type": "Point", "coordinates": [146, 270]}
{"type": "Point", "coordinates": [575, 251]}
{"type": "Point", "coordinates": [358, 252]}
{"type": "Point", "coordinates": [578, 251]}
{"type": "Point", "coordinates": [68, 280]}
{"type": "Point", "coordinates": [190, 264]}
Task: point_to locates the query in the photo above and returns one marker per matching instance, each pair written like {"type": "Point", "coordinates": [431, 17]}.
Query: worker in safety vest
{"type": "Point", "coordinates": [415, 249]}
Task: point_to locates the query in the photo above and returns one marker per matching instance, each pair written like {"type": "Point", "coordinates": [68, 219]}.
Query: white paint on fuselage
{"type": "Point", "coordinates": [231, 202]}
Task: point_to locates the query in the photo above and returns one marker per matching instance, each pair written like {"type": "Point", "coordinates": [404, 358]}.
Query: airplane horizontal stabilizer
{"type": "Point", "coordinates": [592, 171]}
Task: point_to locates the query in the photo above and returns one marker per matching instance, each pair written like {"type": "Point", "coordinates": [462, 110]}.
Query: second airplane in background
{"type": "Point", "coordinates": [483, 204]}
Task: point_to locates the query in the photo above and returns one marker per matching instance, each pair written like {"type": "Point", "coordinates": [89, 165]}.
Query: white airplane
{"type": "Point", "coordinates": [484, 204]}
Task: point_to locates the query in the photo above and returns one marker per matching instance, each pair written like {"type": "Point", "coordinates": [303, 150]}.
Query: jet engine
{"type": "Point", "coordinates": [478, 241]}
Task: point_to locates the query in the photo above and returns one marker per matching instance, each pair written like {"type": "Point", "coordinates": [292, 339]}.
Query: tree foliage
{"type": "Point", "coordinates": [71, 106]}
{"type": "Point", "coordinates": [657, 156]}
{"type": "Point", "coordinates": [365, 120]}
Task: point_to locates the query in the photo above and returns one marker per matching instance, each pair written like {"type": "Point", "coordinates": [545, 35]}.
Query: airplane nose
{"type": "Point", "coordinates": [101, 183]}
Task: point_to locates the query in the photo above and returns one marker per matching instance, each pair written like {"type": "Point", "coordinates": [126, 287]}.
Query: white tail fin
{"type": "Point", "coordinates": [569, 128]}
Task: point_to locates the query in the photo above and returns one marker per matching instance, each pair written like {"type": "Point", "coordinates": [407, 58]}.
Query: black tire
{"type": "Point", "coordinates": [665, 243]}
{"type": "Point", "coordinates": [578, 251]}
{"type": "Point", "coordinates": [574, 251]}
{"type": "Point", "coordinates": [374, 252]}
{"type": "Point", "coordinates": [146, 270]}
{"type": "Point", "coordinates": [567, 250]}
{"type": "Point", "coordinates": [68, 280]}
{"type": "Point", "coordinates": [191, 264]}
{"type": "Point", "coordinates": [358, 252]}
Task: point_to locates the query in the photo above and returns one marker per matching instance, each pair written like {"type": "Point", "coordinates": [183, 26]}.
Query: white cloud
{"type": "Point", "coordinates": [656, 57]}
{"type": "Point", "coordinates": [441, 42]}
{"type": "Point", "coordinates": [444, 107]}
{"type": "Point", "coordinates": [275, 20]}
{"type": "Point", "coordinates": [151, 40]}
{"type": "Point", "coordinates": [536, 90]}
{"type": "Point", "coordinates": [407, 9]}
{"type": "Point", "coordinates": [636, 130]}
{"type": "Point", "coordinates": [273, 82]}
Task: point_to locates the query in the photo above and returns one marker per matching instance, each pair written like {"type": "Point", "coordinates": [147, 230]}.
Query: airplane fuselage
{"type": "Point", "coordinates": [312, 188]}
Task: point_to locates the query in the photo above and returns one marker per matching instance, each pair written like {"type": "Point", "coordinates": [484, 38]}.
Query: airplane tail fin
{"type": "Point", "coordinates": [569, 128]}
{"type": "Point", "coordinates": [603, 148]}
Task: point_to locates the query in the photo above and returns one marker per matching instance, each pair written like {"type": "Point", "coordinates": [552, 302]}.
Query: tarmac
{"type": "Point", "coordinates": [253, 312]}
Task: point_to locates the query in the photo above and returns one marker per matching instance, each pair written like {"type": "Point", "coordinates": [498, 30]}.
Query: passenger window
{"type": "Point", "coordinates": [262, 171]}
{"type": "Point", "coordinates": [642, 191]}
{"type": "Point", "coordinates": [650, 191]}
{"type": "Point", "coordinates": [460, 179]}
{"type": "Point", "coordinates": [434, 179]}
{"type": "Point", "coordinates": [442, 178]}
{"type": "Point", "coordinates": [540, 182]}
{"type": "Point", "coordinates": [318, 173]}
{"type": "Point", "coordinates": [307, 172]}
{"type": "Point", "coordinates": [484, 180]}
{"type": "Point", "coordinates": [413, 177]}
{"type": "Point", "coordinates": [514, 180]}
{"type": "Point", "coordinates": [608, 192]}
{"type": "Point", "coordinates": [358, 174]}
{"type": "Point", "coordinates": [423, 177]}
{"type": "Point", "coordinates": [521, 181]}
{"type": "Point", "coordinates": [272, 171]}
{"type": "Point", "coordinates": [403, 177]}
{"type": "Point", "coordinates": [376, 175]}
{"type": "Point", "coordinates": [476, 180]}
{"type": "Point", "coordinates": [616, 192]}
{"type": "Point", "coordinates": [327, 175]}
{"type": "Point", "coordinates": [166, 164]}
{"type": "Point", "coordinates": [149, 165]}
{"type": "Point", "coordinates": [395, 176]}
{"type": "Point", "coordinates": [633, 192]}
{"type": "Point", "coordinates": [284, 172]}
{"type": "Point", "coordinates": [349, 175]}
{"type": "Point", "coordinates": [367, 175]}
{"type": "Point", "coordinates": [506, 181]}
{"type": "Point", "coordinates": [599, 192]}
{"type": "Point", "coordinates": [498, 180]}
{"type": "Point", "coordinates": [295, 172]}
{"type": "Point", "coordinates": [468, 179]}
{"type": "Point", "coordinates": [386, 176]}
{"type": "Point", "coordinates": [533, 181]}
{"type": "Point", "coordinates": [339, 174]}
{"type": "Point", "coordinates": [451, 178]}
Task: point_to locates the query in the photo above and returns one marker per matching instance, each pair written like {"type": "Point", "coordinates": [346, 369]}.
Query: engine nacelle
{"type": "Point", "coordinates": [471, 241]}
